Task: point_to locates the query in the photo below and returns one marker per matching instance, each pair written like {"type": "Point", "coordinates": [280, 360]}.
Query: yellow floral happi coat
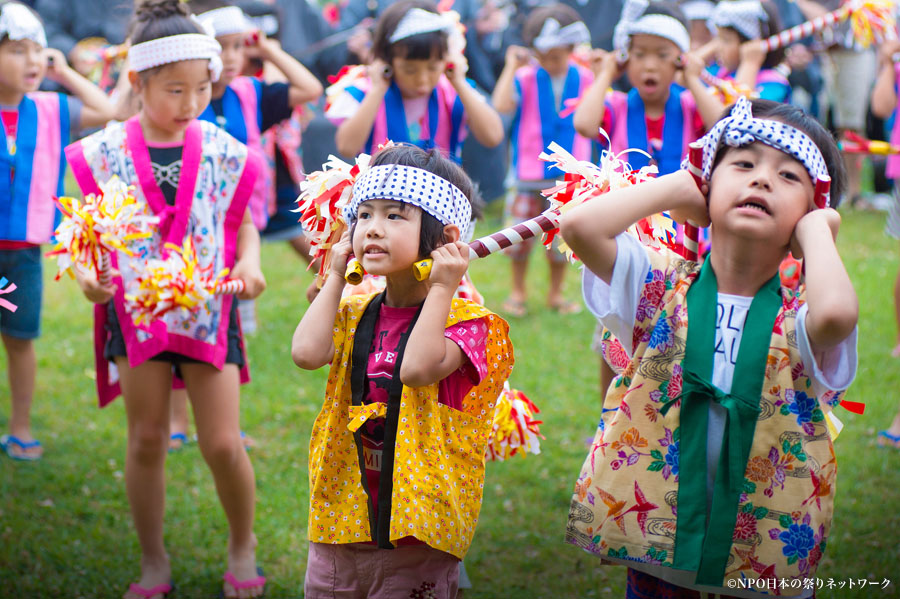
{"type": "Point", "coordinates": [438, 475]}
{"type": "Point", "coordinates": [625, 504]}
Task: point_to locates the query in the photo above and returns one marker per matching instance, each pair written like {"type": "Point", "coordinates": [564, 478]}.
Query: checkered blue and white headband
{"type": "Point", "coordinates": [19, 23]}
{"type": "Point", "coordinates": [744, 16]}
{"type": "Point", "coordinates": [553, 35]}
{"type": "Point", "coordinates": [227, 20]}
{"type": "Point", "coordinates": [435, 195]}
{"type": "Point", "coordinates": [634, 21]}
{"type": "Point", "coordinates": [741, 128]}
{"type": "Point", "coordinates": [418, 21]}
{"type": "Point", "coordinates": [175, 48]}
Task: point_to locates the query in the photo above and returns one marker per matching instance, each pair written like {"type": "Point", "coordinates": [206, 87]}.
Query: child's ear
{"type": "Point", "coordinates": [451, 233]}
{"type": "Point", "coordinates": [134, 78]}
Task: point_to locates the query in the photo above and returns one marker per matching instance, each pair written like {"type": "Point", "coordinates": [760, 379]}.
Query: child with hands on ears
{"type": "Point", "coordinates": [397, 453]}
{"type": "Point", "coordinates": [36, 127]}
{"type": "Point", "coordinates": [730, 379]}
{"type": "Point", "coordinates": [416, 90]}
{"type": "Point", "coordinates": [197, 180]}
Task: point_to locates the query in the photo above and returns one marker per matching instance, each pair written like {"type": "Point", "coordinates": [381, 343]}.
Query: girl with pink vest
{"type": "Point", "coordinates": [539, 93]}
{"type": "Point", "coordinates": [415, 90]}
{"type": "Point", "coordinates": [197, 179]}
{"type": "Point", "coordinates": [36, 126]}
{"type": "Point", "coordinates": [245, 106]}
{"type": "Point", "coordinates": [740, 25]}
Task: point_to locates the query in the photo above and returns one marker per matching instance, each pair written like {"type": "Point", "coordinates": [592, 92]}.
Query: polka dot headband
{"type": "Point", "coordinates": [435, 195]}
{"type": "Point", "coordinates": [225, 21]}
{"type": "Point", "coordinates": [19, 23]}
{"type": "Point", "coordinates": [634, 21]}
{"type": "Point", "coordinates": [175, 48]}
{"type": "Point", "coordinates": [744, 16]}
{"type": "Point", "coordinates": [740, 128]}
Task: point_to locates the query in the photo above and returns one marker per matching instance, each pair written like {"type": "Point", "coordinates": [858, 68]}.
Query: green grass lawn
{"type": "Point", "coordinates": [65, 529]}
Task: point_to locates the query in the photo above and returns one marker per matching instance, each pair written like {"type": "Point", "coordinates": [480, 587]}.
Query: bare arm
{"type": "Point", "coordinates": [97, 109]}
{"type": "Point", "coordinates": [484, 122]}
{"type": "Point", "coordinates": [591, 228]}
{"type": "Point", "coordinates": [504, 96]}
{"type": "Point", "coordinates": [352, 134]}
{"type": "Point", "coordinates": [752, 58]}
{"type": "Point", "coordinates": [431, 357]}
{"type": "Point", "coordinates": [247, 265]}
{"type": "Point", "coordinates": [304, 87]}
{"type": "Point", "coordinates": [833, 305]}
{"type": "Point", "coordinates": [312, 345]}
{"type": "Point", "coordinates": [588, 117]}
{"type": "Point", "coordinates": [708, 105]}
{"type": "Point", "coordinates": [884, 94]}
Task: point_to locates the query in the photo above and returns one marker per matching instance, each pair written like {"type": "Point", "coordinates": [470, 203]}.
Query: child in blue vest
{"type": "Point", "coordinates": [539, 93]}
{"type": "Point", "coordinates": [739, 56]}
{"type": "Point", "coordinates": [36, 127]}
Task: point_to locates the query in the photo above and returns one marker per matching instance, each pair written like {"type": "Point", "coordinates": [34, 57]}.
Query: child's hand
{"type": "Point", "coordinates": [692, 204]}
{"type": "Point", "coordinates": [692, 64]}
{"type": "Point", "coordinates": [887, 50]}
{"type": "Point", "coordinates": [340, 255]}
{"type": "Point", "coordinates": [456, 69]}
{"type": "Point", "coordinates": [380, 75]}
{"type": "Point", "coordinates": [451, 261]}
{"type": "Point", "coordinates": [606, 63]}
{"type": "Point", "coordinates": [257, 39]}
{"type": "Point", "coordinates": [56, 65]}
{"type": "Point", "coordinates": [91, 287]}
{"type": "Point", "coordinates": [813, 222]}
{"type": "Point", "coordinates": [252, 276]}
{"type": "Point", "coordinates": [798, 57]}
{"type": "Point", "coordinates": [517, 57]}
{"type": "Point", "coordinates": [752, 52]}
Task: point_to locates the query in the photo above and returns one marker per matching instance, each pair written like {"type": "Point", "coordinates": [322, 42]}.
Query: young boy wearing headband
{"type": "Point", "coordinates": [396, 461]}
{"type": "Point", "coordinates": [713, 468]}
{"type": "Point", "coordinates": [539, 92]}
{"type": "Point", "coordinates": [36, 127]}
{"type": "Point", "coordinates": [197, 179]}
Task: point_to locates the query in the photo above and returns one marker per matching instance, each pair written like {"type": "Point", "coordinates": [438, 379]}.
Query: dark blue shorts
{"type": "Point", "coordinates": [22, 267]}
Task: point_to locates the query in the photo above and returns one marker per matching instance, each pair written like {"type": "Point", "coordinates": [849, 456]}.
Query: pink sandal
{"type": "Point", "coordinates": [160, 589]}
{"type": "Point", "coordinates": [237, 585]}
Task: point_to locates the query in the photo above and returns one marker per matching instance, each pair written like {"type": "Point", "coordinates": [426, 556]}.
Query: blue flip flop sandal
{"type": "Point", "coordinates": [7, 441]}
{"type": "Point", "coordinates": [894, 439]}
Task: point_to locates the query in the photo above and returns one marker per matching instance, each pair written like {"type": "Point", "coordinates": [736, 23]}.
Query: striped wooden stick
{"type": "Point", "coordinates": [230, 287]}
{"type": "Point", "coordinates": [691, 243]}
{"type": "Point", "coordinates": [484, 246]}
{"type": "Point", "coordinates": [104, 277]}
{"type": "Point", "coordinates": [798, 32]}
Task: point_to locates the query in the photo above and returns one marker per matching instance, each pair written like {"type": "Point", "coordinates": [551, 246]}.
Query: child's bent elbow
{"type": "Point", "coordinates": [307, 359]}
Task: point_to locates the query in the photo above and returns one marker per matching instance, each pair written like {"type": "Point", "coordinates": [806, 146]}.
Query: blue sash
{"type": "Point", "coordinates": [667, 158]}
{"type": "Point", "coordinates": [397, 128]}
{"type": "Point", "coordinates": [554, 127]}
{"type": "Point", "coordinates": [234, 116]}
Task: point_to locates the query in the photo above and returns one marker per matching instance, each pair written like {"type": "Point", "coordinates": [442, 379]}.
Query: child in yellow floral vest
{"type": "Point", "coordinates": [396, 464]}
{"type": "Point", "coordinates": [713, 468]}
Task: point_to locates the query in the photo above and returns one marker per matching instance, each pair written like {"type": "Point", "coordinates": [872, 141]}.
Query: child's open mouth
{"type": "Point", "coordinates": [755, 205]}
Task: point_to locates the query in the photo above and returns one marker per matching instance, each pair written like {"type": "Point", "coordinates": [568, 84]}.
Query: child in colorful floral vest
{"type": "Point", "coordinates": [396, 461]}
{"type": "Point", "coordinates": [713, 469]}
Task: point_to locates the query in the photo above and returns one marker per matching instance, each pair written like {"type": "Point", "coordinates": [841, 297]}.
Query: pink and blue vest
{"type": "Point", "coordinates": [628, 128]}
{"type": "Point", "coordinates": [27, 211]}
{"type": "Point", "coordinates": [893, 162]}
{"type": "Point", "coordinates": [443, 126]}
{"type": "Point", "coordinates": [217, 177]}
{"type": "Point", "coordinates": [538, 121]}
{"type": "Point", "coordinates": [243, 120]}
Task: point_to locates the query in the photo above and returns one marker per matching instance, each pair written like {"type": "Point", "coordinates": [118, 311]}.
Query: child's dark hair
{"type": "Point", "coordinates": [5, 37]}
{"type": "Point", "coordinates": [431, 235]}
{"type": "Point", "coordinates": [154, 19]}
{"type": "Point", "coordinates": [800, 120]}
{"type": "Point", "coordinates": [424, 46]}
{"type": "Point", "coordinates": [668, 9]}
{"type": "Point", "coordinates": [564, 15]}
{"type": "Point", "coordinates": [770, 26]}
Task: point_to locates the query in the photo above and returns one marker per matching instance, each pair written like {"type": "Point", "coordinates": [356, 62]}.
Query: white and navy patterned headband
{"type": "Point", "coordinates": [19, 23]}
{"type": "Point", "coordinates": [741, 128]}
{"type": "Point", "coordinates": [418, 21]}
{"type": "Point", "coordinates": [227, 20]}
{"type": "Point", "coordinates": [435, 195]}
{"type": "Point", "coordinates": [553, 35]}
{"type": "Point", "coordinates": [175, 48]}
{"type": "Point", "coordinates": [744, 16]}
{"type": "Point", "coordinates": [634, 21]}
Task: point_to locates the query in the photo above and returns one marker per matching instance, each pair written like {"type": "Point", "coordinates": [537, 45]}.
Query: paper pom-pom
{"type": "Point", "coordinates": [873, 21]}
{"type": "Point", "coordinates": [99, 224]}
{"type": "Point", "coordinates": [515, 430]}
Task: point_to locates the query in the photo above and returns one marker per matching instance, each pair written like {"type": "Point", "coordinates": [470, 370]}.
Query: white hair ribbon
{"type": "Point", "coordinates": [175, 48]}
{"type": "Point", "coordinates": [741, 128]}
{"type": "Point", "coordinates": [634, 21]}
{"type": "Point", "coordinates": [225, 21]}
{"type": "Point", "coordinates": [19, 23]}
{"type": "Point", "coordinates": [435, 195]}
{"type": "Point", "coordinates": [553, 35]}
{"type": "Point", "coordinates": [744, 16]}
{"type": "Point", "coordinates": [418, 21]}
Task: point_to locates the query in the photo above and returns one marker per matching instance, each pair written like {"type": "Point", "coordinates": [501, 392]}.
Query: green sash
{"type": "Point", "coordinates": [703, 545]}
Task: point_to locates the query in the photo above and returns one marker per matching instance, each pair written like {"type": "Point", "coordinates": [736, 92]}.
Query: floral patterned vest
{"type": "Point", "coordinates": [625, 502]}
{"type": "Point", "coordinates": [438, 474]}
